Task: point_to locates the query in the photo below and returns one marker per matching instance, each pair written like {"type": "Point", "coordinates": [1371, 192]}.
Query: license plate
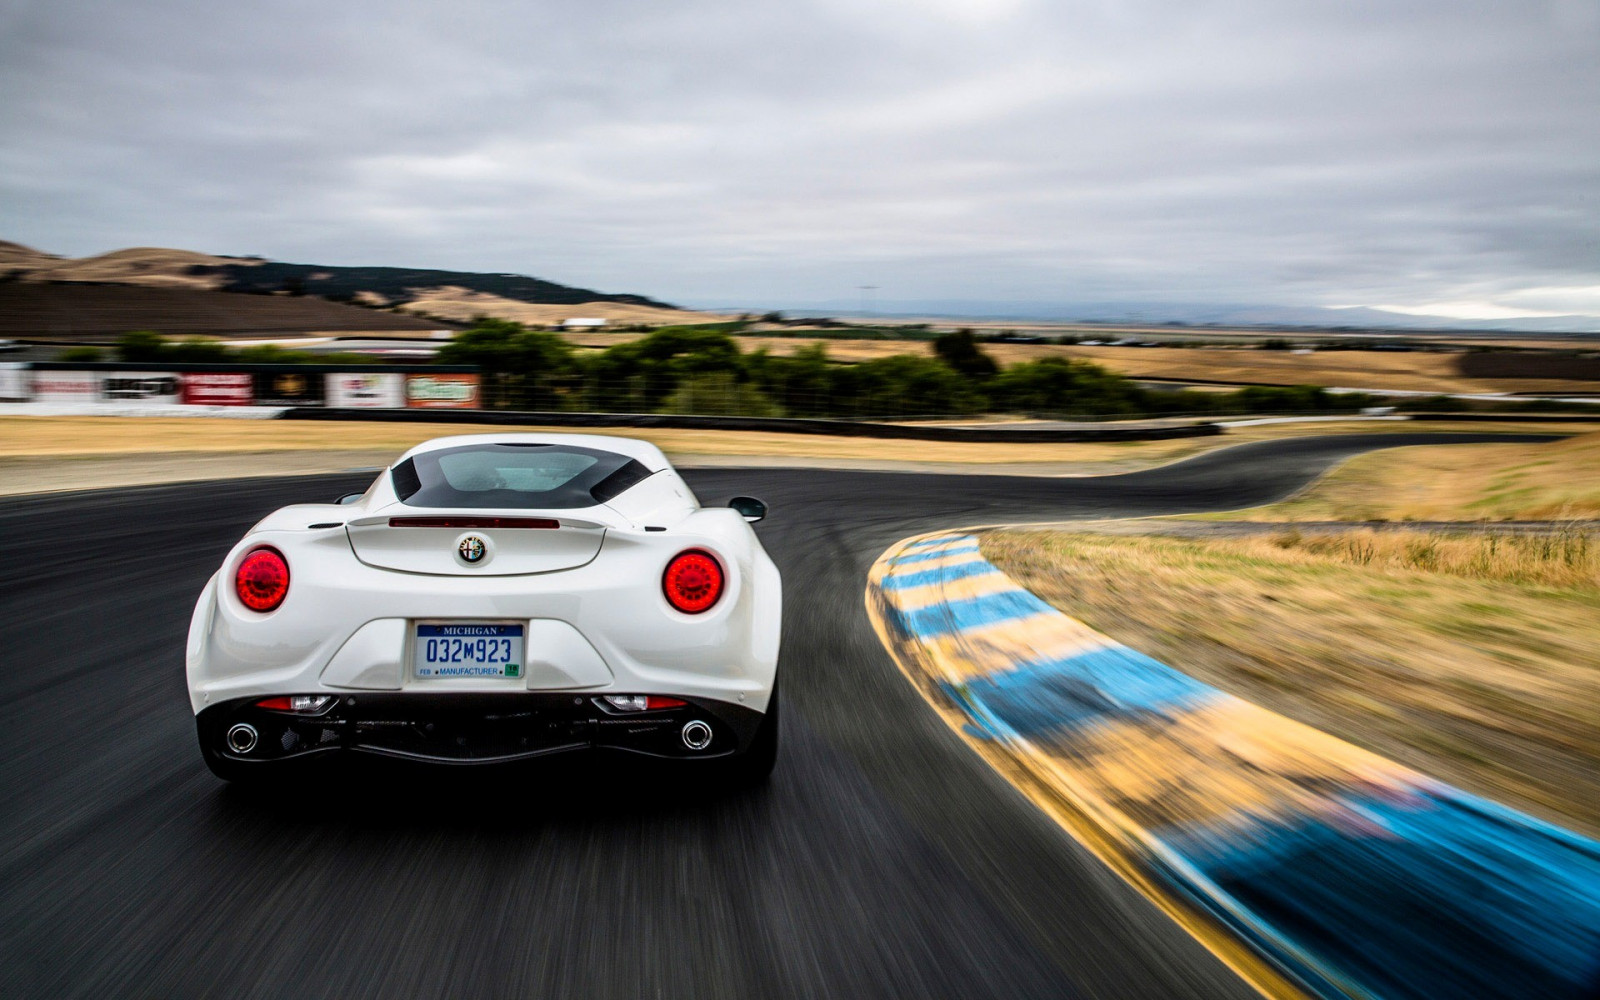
{"type": "Point", "coordinates": [467, 650]}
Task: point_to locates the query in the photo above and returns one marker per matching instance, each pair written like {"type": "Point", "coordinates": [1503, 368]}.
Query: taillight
{"type": "Point", "coordinates": [692, 582]}
{"type": "Point", "coordinates": [642, 702]}
{"type": "Point", "coordinates": [262, 581]}
{"type": "Point", "coordinates": [305, 704]}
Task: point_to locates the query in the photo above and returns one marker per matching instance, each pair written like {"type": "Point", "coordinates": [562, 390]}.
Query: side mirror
{"type": "Point", "coordinates": [750, 508]}
{"type": "Point", "coordinates": [349, 498]}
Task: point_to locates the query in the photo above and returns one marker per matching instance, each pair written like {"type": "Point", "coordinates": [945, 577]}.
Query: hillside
{"type": "Point", "coordinates": [398, 285]}
{"type": "Point", "coordinates": [16, 257]}
{"type": "Point", "coordinates": [149, 266]}
{"type": "Point", "coordinates": [163, 267]}
{"type": "Point", "coordinates": [44, 295]}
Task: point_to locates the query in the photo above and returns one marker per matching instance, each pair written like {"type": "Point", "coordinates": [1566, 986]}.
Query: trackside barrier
{"type": "Point", "coordinates": [345, 387]}
{"type": "Point", "coordinates": [782, 425]}
{"type": "Point", "coordinates": [16, 382]}
{"type": "Point", "coordinates": [1309, 864]}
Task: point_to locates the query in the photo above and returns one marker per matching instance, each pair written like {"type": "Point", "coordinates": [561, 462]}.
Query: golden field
{"type": "Point", "coordinates": [1472, 658]}
{"type": "Point", "coordinates": [1555, 481]}
{"type": "Point", "coordinates": [1415, 371]}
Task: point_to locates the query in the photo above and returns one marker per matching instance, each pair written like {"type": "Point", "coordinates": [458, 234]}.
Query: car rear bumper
{"type": "Point", "coordinates": [470, 728]}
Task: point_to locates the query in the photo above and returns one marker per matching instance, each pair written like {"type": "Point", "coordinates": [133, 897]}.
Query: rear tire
{"type": "Point", "coordinates": [754, 766]}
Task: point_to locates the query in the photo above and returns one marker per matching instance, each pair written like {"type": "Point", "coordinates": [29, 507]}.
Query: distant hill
{"type": "Point", "coordinates": [42, 294]}
{"type": "Point", "coordinates": [399, 285]}
{"type": "Point", "coordinates": [16, 257]}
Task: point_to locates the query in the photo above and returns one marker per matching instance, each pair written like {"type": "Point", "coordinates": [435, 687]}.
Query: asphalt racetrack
{"type": "Point", "coordinates": [884, 859]}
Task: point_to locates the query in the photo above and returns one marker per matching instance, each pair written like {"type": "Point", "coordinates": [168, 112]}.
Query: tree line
{"type": "Point", "coordinates": [702, 369]}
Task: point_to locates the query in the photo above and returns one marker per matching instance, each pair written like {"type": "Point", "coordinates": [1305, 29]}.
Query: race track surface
{"type": "Point", "coordinates": [884, 859]}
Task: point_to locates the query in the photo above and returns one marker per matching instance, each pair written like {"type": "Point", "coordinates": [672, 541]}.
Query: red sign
{"type": "Point", "coordinates": [65, 387]}
{"type": "Point", "coordinates": [449, 391]}
{"type": "Point", "coordinates": [218, 389]}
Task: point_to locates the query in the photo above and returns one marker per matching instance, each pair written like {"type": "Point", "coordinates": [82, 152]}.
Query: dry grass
{"type": "Point", "coordinates": [81, 437]}
{"type": "Point", "coordinates": [95, 436]}
{"type": "Point", "coordinates": [1555, 481]}
{"type": "Point", "coordinates": [1475, 659]}
{"type": "Point", "coordinates": [1565, 556]}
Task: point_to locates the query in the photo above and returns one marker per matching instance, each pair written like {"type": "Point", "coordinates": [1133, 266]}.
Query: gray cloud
{"type": "Point", "coordinates": [1412, 153]}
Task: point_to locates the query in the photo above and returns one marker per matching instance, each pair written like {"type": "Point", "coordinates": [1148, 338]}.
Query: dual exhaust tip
{"type": "Point", "coordinates": [242, 737]}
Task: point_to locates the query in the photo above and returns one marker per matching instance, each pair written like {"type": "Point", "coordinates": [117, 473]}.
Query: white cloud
{"type": "Point", "coordinates": [1466, 310]}
{"type": "Point", "coordinates": [1441, 155]}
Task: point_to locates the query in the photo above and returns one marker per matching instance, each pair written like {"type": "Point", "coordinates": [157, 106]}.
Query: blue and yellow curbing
{"type": "Point", "coordinates": [1309, 865]}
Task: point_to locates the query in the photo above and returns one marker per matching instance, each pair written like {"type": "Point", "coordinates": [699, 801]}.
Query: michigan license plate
{"type": "Point", "coordinates": [463, 649]}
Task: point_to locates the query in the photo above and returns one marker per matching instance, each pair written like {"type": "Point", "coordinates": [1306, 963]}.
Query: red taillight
{"type": "Point", "coordinates": [656, 701]}
{"type": "Point", "coordinates": [692, 582]}
{"type": "Point", "coordinates": [304, 704]}
{"type": "Point", "coordinates": [262, 581]}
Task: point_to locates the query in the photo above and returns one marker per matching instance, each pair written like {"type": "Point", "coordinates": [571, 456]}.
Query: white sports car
{"type": "Point", "coordinates": [492, 598]}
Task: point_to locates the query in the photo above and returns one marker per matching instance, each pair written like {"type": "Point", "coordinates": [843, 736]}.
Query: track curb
{"type": "Point", "coordinates": [1229, 817]}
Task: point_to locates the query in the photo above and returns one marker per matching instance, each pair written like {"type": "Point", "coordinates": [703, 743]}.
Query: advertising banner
{"type": "Point", "coordinates": [288, 389]}
{"type": "Point", "coordinates": [218, 389]}
{"type": "Point", "coordinates": [381, 390]}
{"type": "Point", "coordinates": [15, 384]}
{"type": "Point", "coordinates": [164, 388]}
{"type": "Point", "coordinates": [66, 387]}
{"type": "Point", "coordinates": [451, 391]}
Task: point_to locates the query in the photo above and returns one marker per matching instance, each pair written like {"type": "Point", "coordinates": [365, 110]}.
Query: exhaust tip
{"type": "Point", "coordinates": [242, 738]}
{"type": "Point", "coordinates": [696, 735]}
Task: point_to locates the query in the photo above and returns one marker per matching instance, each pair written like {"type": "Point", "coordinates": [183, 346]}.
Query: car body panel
{"type": "Point", "coordinates": [588, 595]}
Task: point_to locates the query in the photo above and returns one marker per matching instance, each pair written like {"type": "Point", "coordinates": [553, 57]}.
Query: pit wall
{"type": "Point", "coordinates": [1310, 865]}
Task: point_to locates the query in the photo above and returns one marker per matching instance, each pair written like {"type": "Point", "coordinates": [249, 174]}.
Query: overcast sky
{"type": "Point", "coordinates": [1441, 155]}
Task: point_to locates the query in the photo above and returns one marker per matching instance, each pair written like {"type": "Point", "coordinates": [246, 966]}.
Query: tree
{"type": "Point", "coordinates": [719, 394]}
{"type": "Point", "coordinates": [141, 346]}
{"type": "Point", "coordinates": [639, 376]}
{"type": "Point", "coordinates": [960, 351]}
{"type": "Point", "coordinates": [903, 385]}
{"type": "Point", "coordinates": [1065, 386]}
{"type": "Point", "coordinates": [802, 383]}
{"type": "Point", "coordinates": [523, 369]}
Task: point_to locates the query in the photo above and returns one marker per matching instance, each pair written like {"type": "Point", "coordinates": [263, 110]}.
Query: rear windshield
{"type": "Point", "coordinates": [515, 475]}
